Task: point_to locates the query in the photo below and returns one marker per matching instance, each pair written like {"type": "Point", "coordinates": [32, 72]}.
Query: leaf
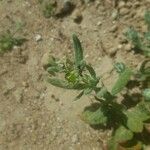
{"type": "Point", "coordinates": [103, 93]}
{"type": "Point", "coordinates": [79, 96]}
{"type": "Point", "coordinates": [64, 84]}
{"type": "Point", "coordinates": [120, 67]}
{"type": "Point", "coordinates": [134, 37]}
{"type": "Point", "coordinates": [112, 144]}
{"type": "Point", "coordinates": [94, 116]}
{"type": "Point", "coordinates": [124, 77]}
{"type": "Point", "coordinates": [145, 67]}
{"type": "Point", "coordinates": [136, 116]}
{"type": "Point", "coordinates": [122, 134]}
{"type": "Point", "coordinates": [135, 124]}
{"type": "Point", "coordinates": [147, 18]}
{"type": "Point", "coordinates": [146, 94]}
{"type": "Point", "coordinates": [78, 51]}
{"type": "Point", "coordinates": [91, 71]}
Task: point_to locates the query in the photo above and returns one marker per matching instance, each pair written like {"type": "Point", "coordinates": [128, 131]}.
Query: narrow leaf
{"type": "Point", "coordinates": [124, 77]}
{"type": "Point", "coordinates": [91, 71]}
{"type": "Point", "coordinates": [64, 84]}
{"type": "Point", "coordinates": [146, 94]}
{"type": "Point", "coordinates": [79, 96]}
{"type": "Point", "coordinates": [78, 51]}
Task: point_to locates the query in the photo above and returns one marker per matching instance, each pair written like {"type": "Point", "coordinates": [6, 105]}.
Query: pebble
{"type": "Point", "coordinates": [114, 28]}
{"type": "Point", "coordinates": [77, 16]}
{"type": "Point", "coordinates": [99, 23]}
{"type": "Point", "coordinates": [19, 95]}
{"type": "Point", "coordinates": [38, 38]}
{"type": "Point", "coordinates": [128, 47]}
{"type": "Point", "coordinates": [45, 60]}
{"type": "Point", "coordinates": [124, 11]}
{"type": "Point", "coordinates": [121, 4]}
{"type": "Point", "coordinates": [75, 139]}
{"type": "Point", "coordinates": [112, 51]}
{"type": "Point", "coordinates": [115, 14]}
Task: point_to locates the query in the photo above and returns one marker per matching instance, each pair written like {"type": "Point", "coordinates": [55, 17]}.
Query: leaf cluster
{"type": "Point", "coordinates": [140, 41]}
{"type": "Point", "coordinates": [7, 41]}
{"type": "Point", "coordinates": [107, 112]}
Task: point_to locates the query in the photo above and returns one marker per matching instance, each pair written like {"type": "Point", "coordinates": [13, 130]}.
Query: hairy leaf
{"type": "Point", "coordinates": [123, 79]}
{"type": "Point", "coordinates": [94, 116]}
{"type": "Point", "coordinates": [79, 96]}
{"type": "Point", "coordinates": [123, 134]}
{"type": "Point", "coordinates": [78, 51]}
{"type": "Point", "coordinates": [64, 84]}
{"type": "Point", "coordinates": [91, 71]}
{"type": "Point", "coordinates": [146, 94]}
{"type": "Point", "coordinates": [134, 37]}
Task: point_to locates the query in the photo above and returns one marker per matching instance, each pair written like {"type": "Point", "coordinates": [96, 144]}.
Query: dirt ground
{"type": "Point", "coordinates": [35, 115]}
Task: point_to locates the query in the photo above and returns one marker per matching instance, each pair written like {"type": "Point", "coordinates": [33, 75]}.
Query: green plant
{"type": "Point", "coordinates": [7, 41]}
{"type": "Point", "coordinates": [126, 122]}
{"type": "Point", "coordinates": [140, 42]}
{"type": "Point", "coordinates": [48, 8]}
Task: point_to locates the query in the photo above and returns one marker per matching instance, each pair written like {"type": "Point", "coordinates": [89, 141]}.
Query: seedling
{"type": "Point", "coordinates": [7, 41]}
{"type": "Point", "coordinates": [140, 42]}
{"type": "Point", "coordinates": [48, 8]}
{"type": "Point", "coordinates": [126, 122]}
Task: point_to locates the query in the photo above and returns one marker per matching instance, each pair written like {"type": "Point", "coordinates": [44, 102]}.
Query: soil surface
{"type": "Point", "coordinates": [35, 115]}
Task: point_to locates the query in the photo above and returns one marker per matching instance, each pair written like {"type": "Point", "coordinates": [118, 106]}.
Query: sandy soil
{"type": "Point", "coordinates": [35, 115]}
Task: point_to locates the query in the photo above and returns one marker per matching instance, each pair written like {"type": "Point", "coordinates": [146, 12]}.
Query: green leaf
{"type": "Point", "coordinates": [91, 71]}
{"type": "Point", "coordinates": [103, 93]}
{"type": "Point", "coordinates": [122, 134]}
{"type": "Point", "coordinates": [94, 116]}
{"type": "Point", "coordinates": [78, 51]}
{"type": "Point", "coordinates": [136, 116]}
{"type": "Point", "coordinates": [147, 18]}
{"type": "Point", "coordinates": [135, 124]}
{"type": "Point", "coordinates": [145, 67]}
{"type": "Point", "coordinates": [146, 94]}
{"type": "Point", "coordinates": [112, 144]}
{"type": "Point", "coordinates": [134, 37]}
{"type": "Point", "coordinates": [64, 84]}
{"type": "Point", "coordinates": [79, 96]}
{"type": "Point", "coordinates": [124, 77]}
{"type": "Point", "coordinates": [120, 67]}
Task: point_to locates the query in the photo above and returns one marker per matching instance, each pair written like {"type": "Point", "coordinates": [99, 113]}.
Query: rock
{"type": "Point", "coordinates": [128, 47]}
{"type": "Point", "coordinates": [112, 51]}
{"type": "Point", "coordinates": [45, 60]}
{"type": "Point", "coordinates": [77, 16]}
{"type": "Point", "coordinates": [113, 28]}
{"type": "Point", "coordinates": [121, 4]}
{"type": "Point", "coordinates": [75, 139]}
{"type": "Point", "coordinates": [19, 95]}
{"type": "Point", "coordinates": [115, 14]}
{"type": "Point", "coordinates": [124, 11]}
{"type": "Point", "coordinates": [99, 23]}
{"type": "Point", "coordinates": [38, 38]}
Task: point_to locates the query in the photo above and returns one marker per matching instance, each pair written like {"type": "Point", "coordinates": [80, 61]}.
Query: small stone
{"type": "Point", "coordinates": [75, 139]}
{"type": "Point", "coordinates": [19, 95]}
{"type": "Point", "coordinates": [45, 60]}
{"type": "Point", "coordinates": [121, 4]}
{"type": "Point", "coordinates": [77, 17]}
{"type": "Point", "coordinates": [99, 23]}
{"type": "Point", "coordinates": [120, 46]}
{"type": "Point", "coordinates": [38, 38]}
{"type": "Point", "coordinates": [128, 47]}
{"type": "Point", "coordinates": [25, 84]}
{"type": "Point", "coordinates": [114, 14]}
{"type": "Point", "coordinates": [113, 28]}
{"type": "Point", "coordinates": [112, 51]}
{"type": "Point", "coordinates": [124, 11]}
